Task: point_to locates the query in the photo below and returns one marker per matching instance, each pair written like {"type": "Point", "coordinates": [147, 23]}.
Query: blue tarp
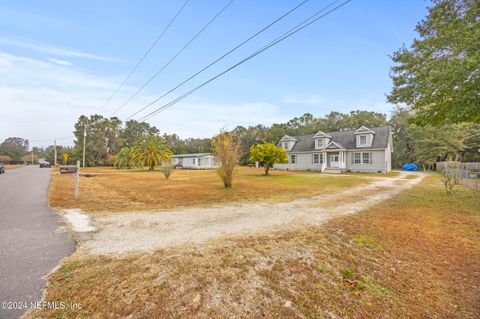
{"type": "Point", "coordinates": [410, 167]}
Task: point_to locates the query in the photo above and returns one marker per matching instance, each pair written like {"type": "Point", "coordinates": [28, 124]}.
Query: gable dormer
{"type": "Point", "coordinates": [321, 140]}
{"type": "Point", "coordinates": [364, 137]}
{"type": "Point", "coordinates": [287, 142]}
{"type": "Point", "coordinates": [334, 146]}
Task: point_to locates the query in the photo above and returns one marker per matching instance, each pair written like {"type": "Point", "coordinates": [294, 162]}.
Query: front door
{"type": "Point", "coordinates": [334, 161]}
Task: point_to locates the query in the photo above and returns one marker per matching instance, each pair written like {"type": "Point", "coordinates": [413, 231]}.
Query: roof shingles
{"type": "Point", "coordinates": [344, 138]}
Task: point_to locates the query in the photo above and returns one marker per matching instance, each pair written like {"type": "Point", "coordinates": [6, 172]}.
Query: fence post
{"type": "Point", "coordinates": [77, 175]}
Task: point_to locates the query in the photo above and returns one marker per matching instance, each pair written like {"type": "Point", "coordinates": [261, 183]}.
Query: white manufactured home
{"type": "Point", "coordinates": [195, 161]}
{"type": "Point", "coordinates": [362, 150]}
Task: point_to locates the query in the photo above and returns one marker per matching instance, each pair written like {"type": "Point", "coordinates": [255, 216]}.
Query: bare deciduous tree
{"type": "Point", "coordinates": [450, 175]}
{"type": "Point", "coordinates": [227, 151]}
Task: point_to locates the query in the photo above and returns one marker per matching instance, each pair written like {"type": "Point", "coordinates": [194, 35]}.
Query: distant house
{"type": "Point", "coordinates": [195, 161]}
{"type": "Point", "coordinates": [362, 150]}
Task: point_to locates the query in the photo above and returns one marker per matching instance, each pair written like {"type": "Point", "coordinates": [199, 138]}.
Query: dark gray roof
{"type": "Point", "coordinates": [343, 138]}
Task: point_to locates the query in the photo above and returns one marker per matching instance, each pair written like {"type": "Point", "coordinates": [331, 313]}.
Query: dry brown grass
{"type": "Point", "coordinates": [356, 197]}
{"type": "Point", "coordinates": [123, 190]}
{"type": "Point", "coordinates": [10, 167]}
{"type": "Point", "coordinates": [414, 256]}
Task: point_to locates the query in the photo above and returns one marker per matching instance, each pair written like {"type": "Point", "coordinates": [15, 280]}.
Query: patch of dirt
{"type": "Point", "coordinates": [121, 233]}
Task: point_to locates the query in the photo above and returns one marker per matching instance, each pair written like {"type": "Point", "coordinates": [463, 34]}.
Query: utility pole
{"type": "Point", "coordinates": [84, 141]}
{"type": "Point", "coordinates": [77, 176]}
{"type": "Point", "coordinates": [55, 151]}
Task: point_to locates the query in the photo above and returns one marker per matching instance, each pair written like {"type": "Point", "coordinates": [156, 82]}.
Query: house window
{"type": "Point", "coordinates": [293, 159]}
{"type": "Point", "coordinates": [285, 145]}
{"type": "Point", "coordinates": [317, 158]}
{"type": "Point", "coordinates": [319, 143]}
{"type": "Point", "coordinates": [356, 159]}
{"type": "Point", "coordinates": [194, 161]}
{"type": "Point", "coordinates": [366, 158]}
{"type": "Point", "coordinates": [199, 161]}
{"type": "Point", "coordinates": [362, 158]}
{"type": "Point", "coordinates": [363, 140]}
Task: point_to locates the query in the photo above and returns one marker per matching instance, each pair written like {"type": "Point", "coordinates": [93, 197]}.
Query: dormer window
{"type": "Point", "coordinates": [364, 137]}
{"type": "Point", "coordinates": [321, 139]}
{"type": "Point", "coordinates": [363, 140]}
{"type": "Point", "coordinates": [287, 142]}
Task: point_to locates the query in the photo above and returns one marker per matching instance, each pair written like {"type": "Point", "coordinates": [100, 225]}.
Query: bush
{"type": "Point", "coordinates": [267, 155]}
{"type": "Point", "coordinates": [450, 176]}
{"type": "Point", "coordinates": [227, 152]}
{"type": "Point", "coordinates": [167, 169]}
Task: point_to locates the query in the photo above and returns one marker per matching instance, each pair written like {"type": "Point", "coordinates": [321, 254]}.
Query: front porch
{"type": "Point", "coordinates": [334, 162]}
{"type": "Point", "coordinates": [328, 161]}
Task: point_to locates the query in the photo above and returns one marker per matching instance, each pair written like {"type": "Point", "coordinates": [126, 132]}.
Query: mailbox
{"type": "Point", "coordinates": [67, 169]}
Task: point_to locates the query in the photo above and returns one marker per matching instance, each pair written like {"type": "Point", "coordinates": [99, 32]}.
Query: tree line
{"type": "Point", "coordinates": [412, 143]}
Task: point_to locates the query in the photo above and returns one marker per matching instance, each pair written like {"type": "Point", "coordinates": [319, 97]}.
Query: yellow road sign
{"type": "Point", "coordinates": [65, 156]}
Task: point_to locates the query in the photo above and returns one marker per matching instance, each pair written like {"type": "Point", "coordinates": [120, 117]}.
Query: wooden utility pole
{"type": "Point", "coordinates": [77, 176]}
{"type": "Point", "coordinates": [55, 152]}
{"type": "Point", "coordinates": [84, 141]}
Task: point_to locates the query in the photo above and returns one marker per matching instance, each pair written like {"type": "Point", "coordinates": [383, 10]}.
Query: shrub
{"type": "Point", "coordinates": [167, 169]}
{"type": "Point", "coordinates": [227, 151]}
{"type": "Point", "coordinates": [450, 176]}
{"type": "Point", "coordinates": [267, 155]}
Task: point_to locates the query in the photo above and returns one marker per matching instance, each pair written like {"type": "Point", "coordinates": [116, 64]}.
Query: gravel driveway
{"type": "Point", "coordinates": [120, 233]}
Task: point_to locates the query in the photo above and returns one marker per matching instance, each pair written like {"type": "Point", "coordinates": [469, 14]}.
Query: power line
{"type": "Point", "coordinates": [225, 55]}
{"type": "Point", "coordinates": [50, 139]}
{"type": "Point", "coordinates": [174, 57]}
{"type": "Point", "coordinates": [146, 54]}
{"type": "Point", "coordinates": [284, 36]}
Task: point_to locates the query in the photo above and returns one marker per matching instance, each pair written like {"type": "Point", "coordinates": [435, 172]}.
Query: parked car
{"type": "Point", "coordinates": [2, 168]}
{"type": "Point", "coordinates": [44, 164]}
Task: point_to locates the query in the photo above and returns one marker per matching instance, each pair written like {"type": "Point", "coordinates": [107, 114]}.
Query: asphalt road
{"type": "Point", "coordinates": [29, 245]}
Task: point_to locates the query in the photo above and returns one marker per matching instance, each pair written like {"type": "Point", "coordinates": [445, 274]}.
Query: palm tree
{"type": "Point", "coordinates": [151, 151]}
{"type": "Point", "coordinates": [124, 158]}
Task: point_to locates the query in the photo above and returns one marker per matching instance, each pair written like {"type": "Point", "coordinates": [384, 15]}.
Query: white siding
{"type": "Point", "coordinates": [380, 161]}
{"type": "Point", "coordinates": [388, 156]}
{"type": "Point", "coordinates": [377, 162]}
{"type": "Point", "coordinates": [203, 162]}
{"type": "Point", "coordinates": [304, 161]}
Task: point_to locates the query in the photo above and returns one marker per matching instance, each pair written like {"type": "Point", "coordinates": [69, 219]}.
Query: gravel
{"type": "Point", "coordinates": [121, 233]}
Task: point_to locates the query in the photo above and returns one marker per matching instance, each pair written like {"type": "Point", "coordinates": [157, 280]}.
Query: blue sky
{"type": "Point", "coordinates": [60, 59]}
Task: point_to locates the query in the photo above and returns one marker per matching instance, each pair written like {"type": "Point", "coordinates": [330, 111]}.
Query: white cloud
{"type": "Point", "coordinates": [312, 100]}
{"type": "Point", "coordinates": [199, 118]}
{"type": "Point", "coordinates": [60, 62]}
{"type": "Point", "coordinates": [40, 100]}
{"type": "Point", "coordinates": [49, 49]}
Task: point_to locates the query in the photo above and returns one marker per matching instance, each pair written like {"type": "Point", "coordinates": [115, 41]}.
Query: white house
{"type": "Point", "coordinates": [195, 161]}
{"type": "Point", "coordinates": [362, 150]}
